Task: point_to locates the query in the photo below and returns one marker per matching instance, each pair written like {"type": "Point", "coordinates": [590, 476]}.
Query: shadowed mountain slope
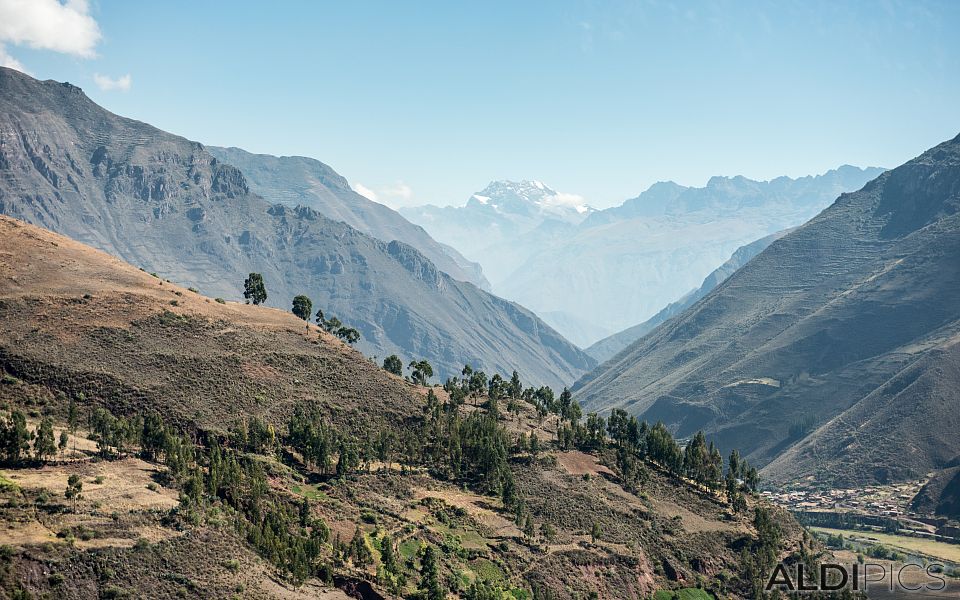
{"type": "Point", "coordinates": [608, 347]}
{"type": "Point", "coordinates": [940, 495]}
{"type": "Point", "coordinates": [834, 353]}
{"type": "Point", "coordinates": [162, 202]}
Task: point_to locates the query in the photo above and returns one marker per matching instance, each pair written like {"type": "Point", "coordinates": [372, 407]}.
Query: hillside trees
{"type": "Point", "coordinates": [44, 443]}
{"type": "Point", "coordinates": [302, 307]}
{"type": "Point", "coordinates": [393, 364]}
{"type": "Point", "coordinates": [113, 434]}
{"type": "Point", "coordinates": [14, 436]}
{"type": "Point", "coordinates": [420, 371]}
{"type": "Point", "coordinates": [74, 490]}
{"type": "Point", "coordinates": [334, 326]}
{"type": "Point", "coordinates": [430, 587]}
{"type": "Point", "coordinates": [254, 289]}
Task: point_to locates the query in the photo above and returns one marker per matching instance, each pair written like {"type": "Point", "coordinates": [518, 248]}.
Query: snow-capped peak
{"type": "Point", "coordinates": [530, 198]}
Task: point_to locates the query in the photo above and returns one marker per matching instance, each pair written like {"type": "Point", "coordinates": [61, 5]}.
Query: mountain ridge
{"type": "Point", "coordinates": [162, 202]}
{"type": "Point", "coordinates": [301, 180]}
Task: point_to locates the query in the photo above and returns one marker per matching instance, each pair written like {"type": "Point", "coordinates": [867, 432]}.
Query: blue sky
{"type": "Point", "coordinates": [425, 102]}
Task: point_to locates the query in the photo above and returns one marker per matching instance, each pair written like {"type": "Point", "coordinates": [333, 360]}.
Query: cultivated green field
{"type": "Point", "coordinates": [942, 550]}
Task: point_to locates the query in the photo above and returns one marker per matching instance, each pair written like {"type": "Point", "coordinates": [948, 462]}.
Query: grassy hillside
{"type": "Point", "coordinates": [226, 449]}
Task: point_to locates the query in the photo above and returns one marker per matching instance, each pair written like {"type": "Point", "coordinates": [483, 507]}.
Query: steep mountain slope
{"type": "Point", "coordinates": [608, 347]}
{"type": "Point", "coordinates": [940, 495]}
{"type": "Point", "coordinates": [834, 353]}
{"type": "Point", "coordinates": [162, 202]}
{"type": "Point", "coordinates": [300, 181]}
{"type": "Point", "coordinates": [247, 513]}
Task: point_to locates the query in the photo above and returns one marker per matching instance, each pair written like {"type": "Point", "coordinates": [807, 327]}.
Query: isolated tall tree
{"type": "Point", "coordinates": [254, 290]}
{"type": "Point", "coordinates": [302, 306]}
{"type": "Point", "coordinates": [348, 334]}
{"type": "Point", "coordinates": [14, 436]}
{"type": "Point", "coordinates": [430, 588]}
{"type": "Point", "coordinates": [596, 532]}
{"type": "Point", "coordinates": [516, 388]}
{"type": "Point", "coordinates": [44, 443]}
{"type": "Point", "coordinates": [73, 415]}
{"type": "Point", "coordinates": [74, 489]}
{"type": "Point", "coordinates": [64, 438]}
{"type": "Point", "coordinates": [393, 364]}
{"type": "Point", "coordinates": [421, 371]}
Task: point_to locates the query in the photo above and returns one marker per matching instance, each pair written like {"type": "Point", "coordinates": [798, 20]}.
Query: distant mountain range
{"type": "Point", "coordinates": [592, 273]}
{"type": "Point", "coordinates": [164, 203]}
{"type": "Point", "coordinates": [608, 347]}
{"type": "Point", "coordinates": [834, 354]}
{"type": "Point", "coordinates": [497, 218]}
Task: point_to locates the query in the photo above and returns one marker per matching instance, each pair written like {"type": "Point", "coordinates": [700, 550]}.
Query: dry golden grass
{"type": "Point", "coordinates": [580, 463]}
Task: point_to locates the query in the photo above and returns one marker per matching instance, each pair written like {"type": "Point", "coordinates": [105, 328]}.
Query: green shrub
{"type": "Point", "coordinates": [113, 592]}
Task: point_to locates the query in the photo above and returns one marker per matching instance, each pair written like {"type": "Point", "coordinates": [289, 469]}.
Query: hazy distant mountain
{"type": "Point", "coordinates": [500, 225]}
{"type": "Point", "coordinates": [300, 181]}
{"type": "Point", "coordinates": [620, 266]}
{"type": "Point", "coordinates": [834, 353]}
{"type": "Point", "coordinates": [591, 273]}
{"type": "Point", "coordinates": [608, 347]}
{"type": "Point", "coordinates": [164, 203]}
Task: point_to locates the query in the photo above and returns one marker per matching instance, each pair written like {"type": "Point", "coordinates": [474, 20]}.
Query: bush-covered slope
{"type": "Point", "coordinates": [223, 448]}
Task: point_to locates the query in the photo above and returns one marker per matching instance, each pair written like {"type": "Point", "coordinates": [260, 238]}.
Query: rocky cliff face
{"type": "Point", "coordinates": [300, 181]}
{"type": "Point", "coordinates": [162, 202]}
{"type": "Point", "coordinates": [835, 352]}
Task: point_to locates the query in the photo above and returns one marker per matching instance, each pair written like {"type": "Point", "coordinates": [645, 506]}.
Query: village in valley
{"type": "Point", "coordinates": [878, 501]}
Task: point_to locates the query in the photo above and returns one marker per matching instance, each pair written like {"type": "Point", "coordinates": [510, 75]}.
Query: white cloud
{"type": "Point", "coordinates": [398, 190]}
{"type": "Point", "coordinates": [107, 84]}
{"type": "Point", "coordinates": [64, 27]}
{"type": "Point", "coordinates": [8, 61]}
{"type": "Point", "coordinates": [565, 199]}
{"type": "Point", "coordinates": [365, 191]}
{"type": "Point", "coordinates": [394, 195]}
